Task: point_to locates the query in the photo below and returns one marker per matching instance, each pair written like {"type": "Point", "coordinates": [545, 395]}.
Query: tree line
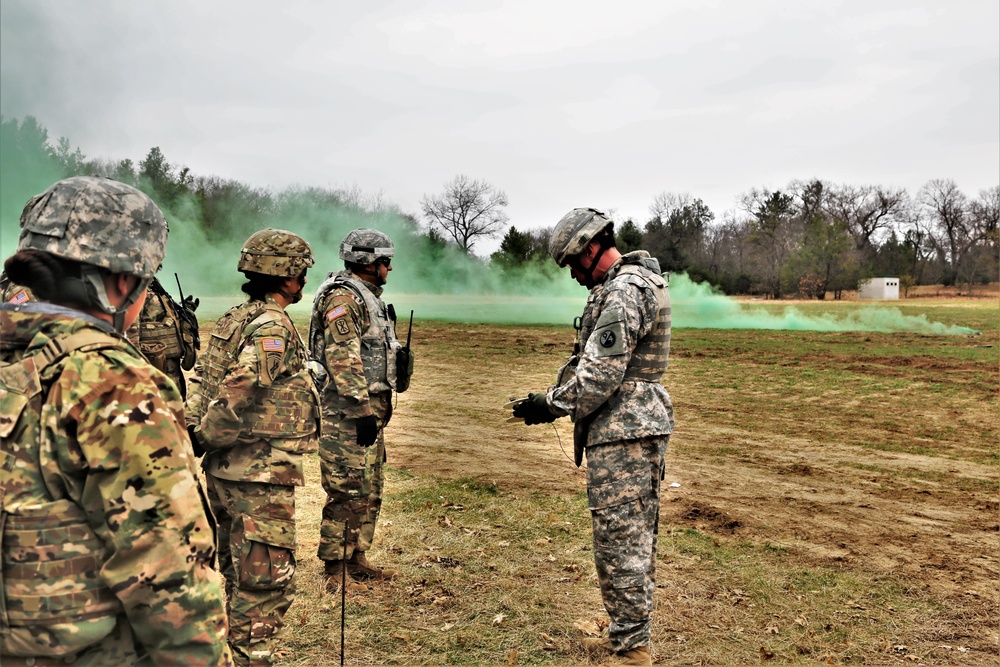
{"type": "Point", "coordinates": [808, 239]}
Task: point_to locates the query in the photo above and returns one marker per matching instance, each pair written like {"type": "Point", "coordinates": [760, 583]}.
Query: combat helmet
{"type": "Point", "coordinates": [97, 222]}
{"type": "Point", "coordinates": [576, 229]}
{"type": "Point", "coordinates": [276, 252]}
{"type": "Point", "coordinates": [364, 246]}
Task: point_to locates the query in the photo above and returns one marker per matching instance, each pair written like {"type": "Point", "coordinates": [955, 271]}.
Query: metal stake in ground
{"type": "Point", "coordinates": [343, 595]}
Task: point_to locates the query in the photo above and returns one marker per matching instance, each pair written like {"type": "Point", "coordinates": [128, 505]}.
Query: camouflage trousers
{"type": "Point", "coordinates": [623, 491]}
{"type": "Point", "coordinates": [117, 648]}
{"type": "Point", "coordinates": [256, 534]}
{"type": "Point", "coordinates": [353, 479]}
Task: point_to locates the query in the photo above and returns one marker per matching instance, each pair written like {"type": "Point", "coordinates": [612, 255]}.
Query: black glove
{"type": "Point", "coordinates": [190, 303]}
{"type": "Point", "coordinates": [367, 429]}
{"type": "Point", "coordinates": [196, 445]}
{"type": "Point", "coordinates": [535, 410]}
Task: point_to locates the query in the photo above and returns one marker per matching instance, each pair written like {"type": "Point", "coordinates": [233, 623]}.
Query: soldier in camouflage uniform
{"type": "Point", "coordinates": [167, 334]}
{"type": "Point", "coordinates": [107, 549]}
{"type": "Point", "coordinates": [611, 389]}
{"type": "Point", "coordinates": [352, 334]}
{"type": "Point", "coordinates": [254, 408]}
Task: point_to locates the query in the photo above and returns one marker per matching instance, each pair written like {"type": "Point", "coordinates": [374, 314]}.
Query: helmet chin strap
{"type": "Point", "coordinates": [588, 274]}
{"type": "Point", "coordinates": [93, 279]}
{"type": "Point", "coordinates": [294, 297]}
{"type": "Point", "coordinates": [371, 271]}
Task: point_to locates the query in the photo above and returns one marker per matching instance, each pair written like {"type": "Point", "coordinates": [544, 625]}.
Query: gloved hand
{"type": "Point", "coordinates": [196, 445]}
{"type": "Point", "coordinates": [190, 303]}
{"type": "Point", "coordinates": [367, 430]}
{"type": "Point", "coordinates": [535, 410]}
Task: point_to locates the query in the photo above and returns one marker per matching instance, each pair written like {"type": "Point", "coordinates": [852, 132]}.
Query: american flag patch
{"type": "Point", "coordinates": [336, 312]}
{"type": "Point", "coordinates": [20, 297]}
{"type": "Point", "coordinates": [272, 344]}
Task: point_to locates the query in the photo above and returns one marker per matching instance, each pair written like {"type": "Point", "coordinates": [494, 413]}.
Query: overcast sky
{"type": "Point", "coordinates": [560, 104]}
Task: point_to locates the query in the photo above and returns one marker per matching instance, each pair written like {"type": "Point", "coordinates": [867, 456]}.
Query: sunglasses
{"type": "Point", "coordinates": [383, 261]}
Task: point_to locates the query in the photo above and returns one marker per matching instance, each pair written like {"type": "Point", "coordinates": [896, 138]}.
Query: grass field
{"type": "Point", "coordinates": [832, 498]}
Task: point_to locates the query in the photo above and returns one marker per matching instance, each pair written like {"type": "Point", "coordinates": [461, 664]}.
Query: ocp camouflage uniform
{"type": "Point", "coordinates": [353, 335]}
{"type": "Point", "coordinates": [613, 391]}
{"type": "Point", "coordinates": [107, 549]}
{"type": "Point", "coordinates": [255, 410]}
{"type": "Point", "coordinates": [163, 336]}
{"type": "Point", "coordinates": [11, 292]}
{"type": "Point", "coordinates": [159, 333]}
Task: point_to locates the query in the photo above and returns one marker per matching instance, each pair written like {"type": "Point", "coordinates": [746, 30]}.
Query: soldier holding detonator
{"type": "Point", "coordinates": [611, 389]}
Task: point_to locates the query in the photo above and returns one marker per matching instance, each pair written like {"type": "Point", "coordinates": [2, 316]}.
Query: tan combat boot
{"type": "Point", "coordinates": [636, 656]}
{"type": "Point", "coordinates": [597, 645]}
{"type": "Point", "coordinates": [362, 570]}
{"type": "Point", "coordinates": [333, 577]}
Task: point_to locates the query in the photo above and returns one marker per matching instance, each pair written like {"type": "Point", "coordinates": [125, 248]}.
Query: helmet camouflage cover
{"type": "Point", "coordinates": [96, 221]}
{"type": "Point", "coordinates": [576, 229]}
{"type": "Point", "coordinates": [364, 246]}
{"type": "Point", "coordinates": [276, 252]}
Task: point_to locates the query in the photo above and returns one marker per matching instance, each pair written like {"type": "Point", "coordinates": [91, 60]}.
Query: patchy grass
{"type": "Point", "coordinates": [834, 501]}
{"type": "Point", "coordinates": [496, 577]}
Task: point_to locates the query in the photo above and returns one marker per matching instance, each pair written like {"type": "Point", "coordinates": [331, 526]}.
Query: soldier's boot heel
{"type": "Point", "coordinates": [362, 569]}
{"type": "Point", "coordinates": [333, 577]}
{"type": "Point", "coordinates": [636, 656]}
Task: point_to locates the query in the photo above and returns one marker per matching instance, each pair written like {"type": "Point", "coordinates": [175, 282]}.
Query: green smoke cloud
{"type": "Point", "coordinates": [436, 282]}
{"type": "Point", "coordinates": [699, 306]}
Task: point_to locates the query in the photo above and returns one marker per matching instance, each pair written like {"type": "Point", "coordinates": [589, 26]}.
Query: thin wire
{"type": "Point", "coordinates": [559, 440]}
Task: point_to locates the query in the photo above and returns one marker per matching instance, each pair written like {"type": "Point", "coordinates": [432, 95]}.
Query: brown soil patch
{"type": "Point", "coordinates": [786, 480]}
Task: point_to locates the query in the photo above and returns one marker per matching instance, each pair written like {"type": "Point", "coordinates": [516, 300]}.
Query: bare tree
{"type": "Point", "coordinates": [954, 228]}
{"type": "Point", "coordinates": [985, 212]}
{"type": "Point", "coordinates": [867, 210]}
{"type": "Point", "coordinates": [467, 210]}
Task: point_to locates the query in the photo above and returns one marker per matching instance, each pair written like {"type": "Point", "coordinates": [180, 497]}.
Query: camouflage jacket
{"type": "Point", "coordinates": [252, 402]}
{"type": "Point", "coordinates": [614, 382]}
{"type": "Point", "coordinates": [352, 333]}
{"type": "Point", "coordinates": [103, 518]}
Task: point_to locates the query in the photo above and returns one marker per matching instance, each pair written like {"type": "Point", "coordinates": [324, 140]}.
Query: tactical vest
{"type": "Point", "coordinates": [651, 354]}
{"type": "Point", "coordinates": [52, 558]}
{"type": "Point", "coordinates": [378, 341]}
{"type": "Point", "coordinates": [163, 331]}
{"type": "Point", "coordinates": [288, 408]}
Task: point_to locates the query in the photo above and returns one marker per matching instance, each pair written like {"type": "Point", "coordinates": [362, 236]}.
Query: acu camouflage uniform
{"type": "Point", "coordinates": [352, 333]}
{"type": "Point", "coordinates": [613, 393]}
{"type": "Point", "coordinates": [107, 549]}
{"type": "Point", "coordinates": [254, 408]}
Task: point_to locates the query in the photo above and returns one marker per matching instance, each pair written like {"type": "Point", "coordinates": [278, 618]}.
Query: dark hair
{"type": "Point", "coordinates": [354, 267]}
{"type": "Point", "coordinates": [49, 278]}
{"type": "Point", "coordinates": [259, 285]}
{"type": "Point", "coordinates": [606, 237]}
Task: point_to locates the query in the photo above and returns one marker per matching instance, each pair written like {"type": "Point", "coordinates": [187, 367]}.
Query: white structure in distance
{"type": "Point", "coordinates": [879, 288]}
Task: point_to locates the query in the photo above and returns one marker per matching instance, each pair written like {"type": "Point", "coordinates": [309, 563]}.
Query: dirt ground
{"type": "Point", "coordinates": [929, 519]}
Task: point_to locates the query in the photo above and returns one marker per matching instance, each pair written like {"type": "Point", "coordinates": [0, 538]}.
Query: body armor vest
{"type": "Point", "coordinates": [162, 331]}
{"type": "Point", "coordinates": [378, 341]}
{"type": "Point", "coordinates": [651, 354]}
{"type": "Point", "coordinates": [289, 407]}
{"type": "Point", "coordinates": [52, 558]}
